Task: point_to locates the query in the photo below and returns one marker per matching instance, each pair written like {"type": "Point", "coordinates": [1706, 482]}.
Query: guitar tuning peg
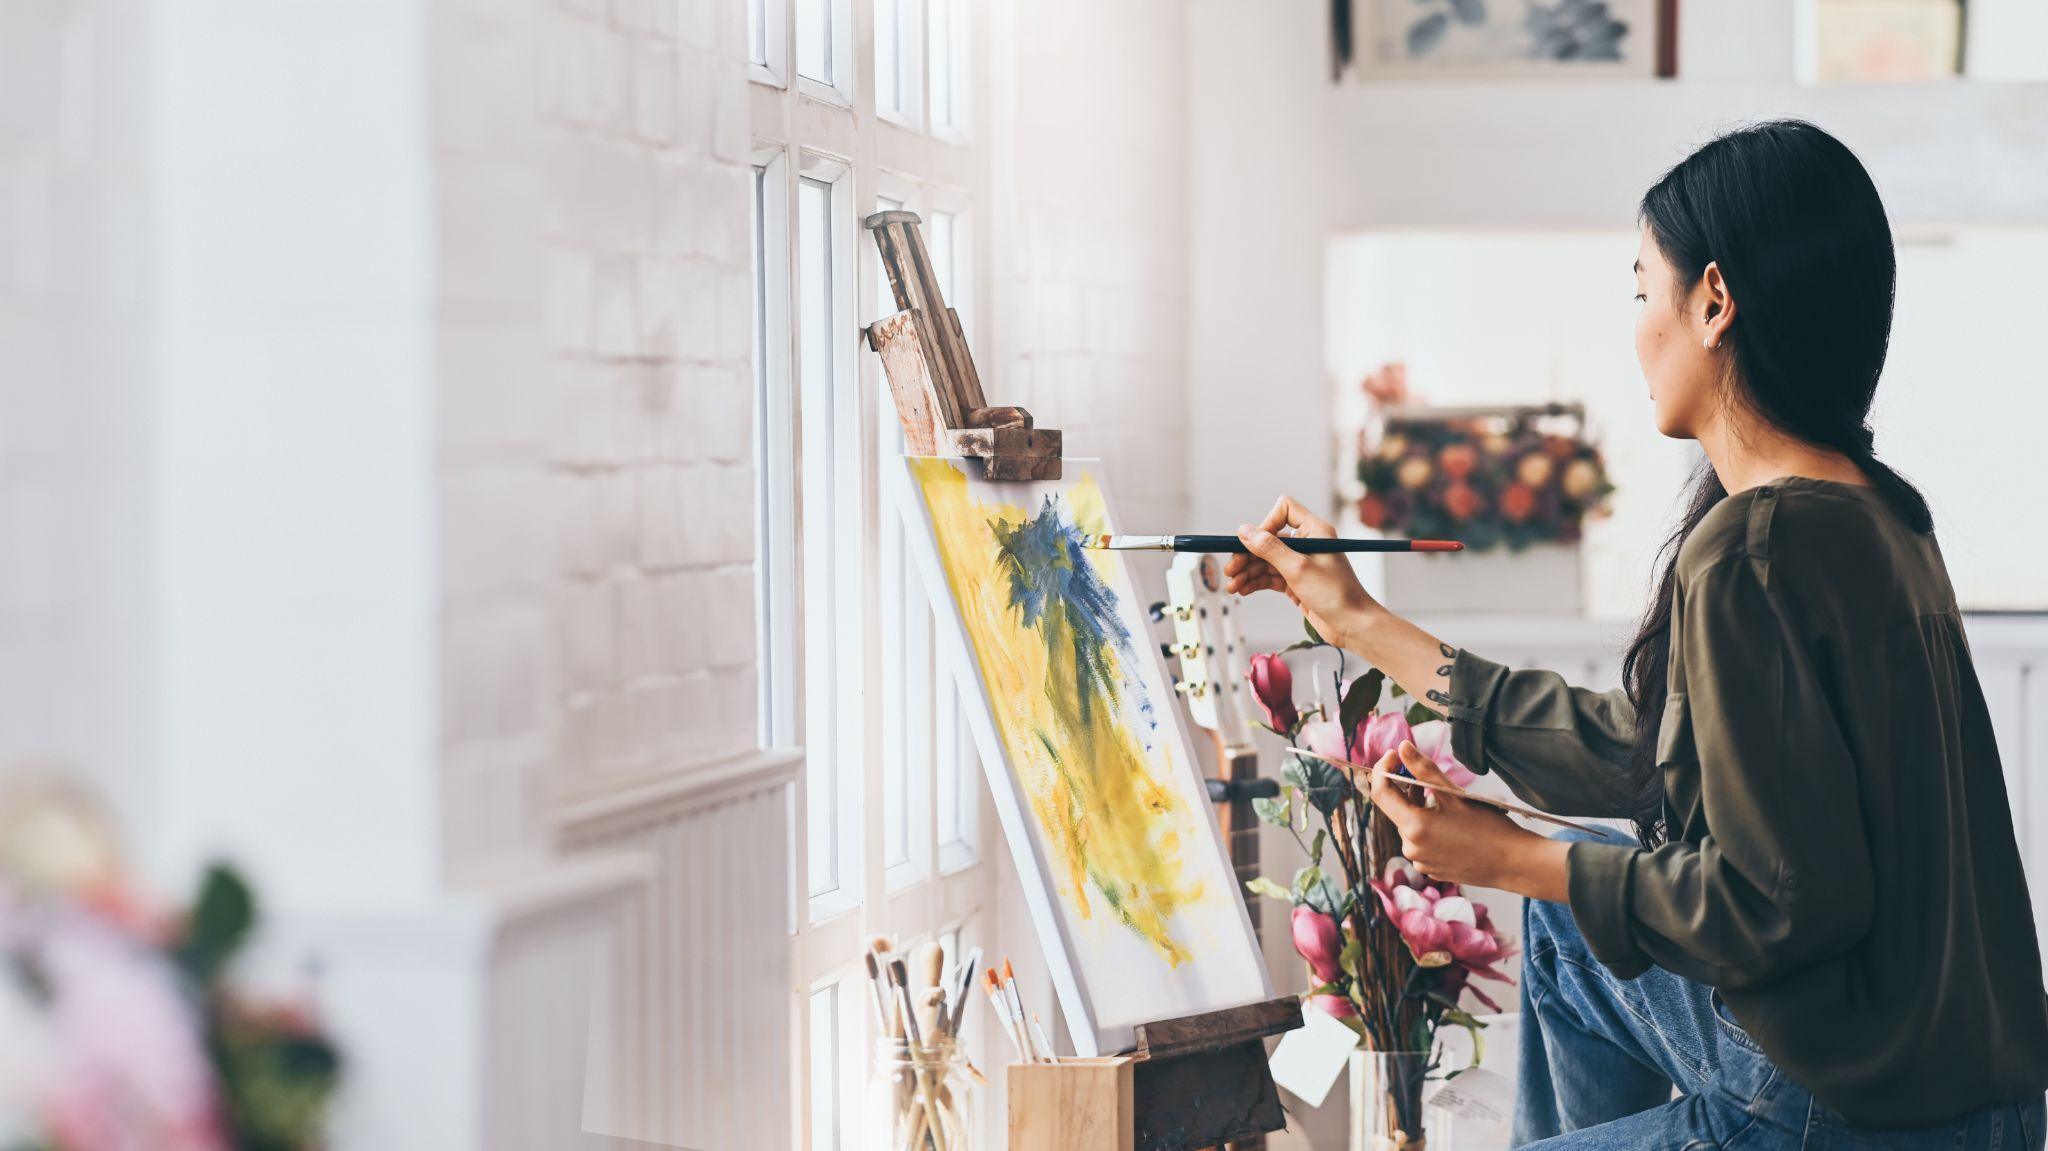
{"type": "Point", "coordinates": [1191, 690]}
{"type": "Point", "coordinates": [1169, 650]}
{"type": "Point", "coordinates": [1157, 611]}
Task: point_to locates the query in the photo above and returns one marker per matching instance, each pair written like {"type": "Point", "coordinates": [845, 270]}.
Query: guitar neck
{"type": "Point", "coordinates": [1240, 822]}
{"type": "Point", "coordinates": [1241, 832]}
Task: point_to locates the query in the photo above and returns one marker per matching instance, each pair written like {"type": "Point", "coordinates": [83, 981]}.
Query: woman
{"type": "Point", "coordinates": [1822, 937]}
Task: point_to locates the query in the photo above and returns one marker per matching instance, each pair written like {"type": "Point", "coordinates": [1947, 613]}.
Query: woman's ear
{"type": "Point", "coordinates": [1715, 307]}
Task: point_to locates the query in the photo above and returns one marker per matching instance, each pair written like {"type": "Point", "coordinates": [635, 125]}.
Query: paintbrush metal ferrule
{"type": "Point", "coordinates": [1129, 543]}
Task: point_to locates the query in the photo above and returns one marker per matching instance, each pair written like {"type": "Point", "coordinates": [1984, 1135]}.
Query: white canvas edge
{"type": "Point", "coordinates": [1089, 1038]}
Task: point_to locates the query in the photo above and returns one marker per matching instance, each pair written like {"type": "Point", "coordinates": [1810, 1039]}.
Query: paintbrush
{"type": "Point", "coordinates": [1411, 781]}
{"type": "Point", "coordinates": [1038, 1028]}
{"type": "Point", "coordinates": [956, 1010]}
{"type": "Point", "coordinates": [899, 981]}
{"type": "Point", "coordinates": [1307, 545]}
{"type": "Point", "coordinates": [1016, 1002]}
{"type": "Point", "coordinates": [993, 984]}
{"type": "Point", "coordinates": [879, 949]}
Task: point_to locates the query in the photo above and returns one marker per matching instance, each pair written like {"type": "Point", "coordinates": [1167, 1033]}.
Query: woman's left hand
{"type": "Point", "coordinates": [1455, 840]}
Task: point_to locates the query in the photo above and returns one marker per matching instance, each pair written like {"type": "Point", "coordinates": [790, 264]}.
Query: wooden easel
{"type": "Point", "coordinates": [938, 393]}
{"type": "Point", "coordinates": [1195, 1082]}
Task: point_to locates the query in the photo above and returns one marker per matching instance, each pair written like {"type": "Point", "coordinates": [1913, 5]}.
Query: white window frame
{"type": "Point", "coordinates": [773, 66]}
{"type": "Point", "coordinates": [849, 69]}
{"type": "Point", "coordinates": [896, 739]}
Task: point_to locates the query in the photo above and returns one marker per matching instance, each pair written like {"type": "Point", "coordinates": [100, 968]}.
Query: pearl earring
{"type": "Point", "coordinates": [1709, 344]}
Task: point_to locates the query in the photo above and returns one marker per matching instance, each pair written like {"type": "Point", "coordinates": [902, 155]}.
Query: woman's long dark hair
{"type": "Point", "coordinates": [1796, 227]}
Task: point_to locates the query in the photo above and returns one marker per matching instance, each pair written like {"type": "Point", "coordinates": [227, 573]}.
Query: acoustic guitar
{"type": "Point", "coordinates": [1214, 684]}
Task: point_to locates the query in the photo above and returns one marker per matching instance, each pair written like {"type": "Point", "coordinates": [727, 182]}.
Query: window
{"type": "Point", "coordinates": [899, 62]}
{"type": "Point", "coordinates": [768, 41]}
{"type": "Point", "coordinates": [949, 50]}
{"type": "Point", "coordinates": [890, 809]}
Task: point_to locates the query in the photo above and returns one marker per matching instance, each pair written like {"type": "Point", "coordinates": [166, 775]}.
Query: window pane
{"type": "Point", "coordinates": [888, 69]}
{"type": "Point", "coordinates": [764, 561]}
{"type": "Point", "coordinates": [957, 766]}
{"type": "Point", "coordinates": [939, 15]}
{"type": "Point", "coordinates": [825, 1124]}
{"type": "Point", "coordinates": [814, 273]}
{"type": "Point", "coordinates": [814, 39]}
{"type": "Point", "coordinates": [948, 64]}
{"type": "Point", "coordinates": [757, 31]}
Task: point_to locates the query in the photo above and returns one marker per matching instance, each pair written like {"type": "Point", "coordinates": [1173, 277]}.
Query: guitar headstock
{"type": "Point", "coordinates": [1206, 648]}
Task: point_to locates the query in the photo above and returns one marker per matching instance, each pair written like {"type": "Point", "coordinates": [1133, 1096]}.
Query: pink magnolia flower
{"type": "Point", "coordinates": [1441, 927]}
{"type": "Point", "coordinates": [1273, 684]}
{"type": "Point", "coordinates": [1377, 735]}
{"type": "Point", "coordinates": [1317, 939]}
{"type": "Point", "coordinates": [1322, 736]}
{"type": "Point", "coordinates": [1433, 739]}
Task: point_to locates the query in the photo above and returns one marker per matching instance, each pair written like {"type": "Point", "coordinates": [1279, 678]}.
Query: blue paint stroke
{"type": "Point", "coordinates": [1057, 591]}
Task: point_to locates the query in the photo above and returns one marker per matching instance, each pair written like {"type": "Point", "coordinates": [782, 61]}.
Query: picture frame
{"type": "Point", "coordinates": [1382, 41]}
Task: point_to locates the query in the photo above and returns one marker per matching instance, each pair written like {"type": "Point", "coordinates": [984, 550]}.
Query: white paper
{"type": "Point", "coordinates": [1308, 1061]}
{"type": "Point", "coordinates": [1478, 1094]}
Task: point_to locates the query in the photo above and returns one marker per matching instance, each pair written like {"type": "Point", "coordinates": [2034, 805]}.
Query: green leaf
{"type": "Point", "coordinates": [1314, 638]}
{"type": "Point", "coordinates": [1315, 847]}
{"type": "Point", "coordinates": [1420, 713]}
{"type": "Point", "coordinates": [1321, 784]}
{"type": "Point", "coordinates": [1305, 879]}
{"type": "Point", "coordinates": [220, 922]}
{"type": "Point", "coordinates": [1397, 690]}
{"type": "Point", "coordinates": [1278, 812]}
{"type": "Point", "coordinates": [1351, 956]}
{"type": "Point", "coordinates": [1359, 700]}
{"type": "Point", "coordinates": [1472, 1027]}
{"type": "Point", "coordinates": [1271, 890]}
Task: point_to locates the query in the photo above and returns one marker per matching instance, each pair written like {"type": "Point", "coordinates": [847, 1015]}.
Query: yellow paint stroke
{"type": "Point", "coordinates": [1114, 828]}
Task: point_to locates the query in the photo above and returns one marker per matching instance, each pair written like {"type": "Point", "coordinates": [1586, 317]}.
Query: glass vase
{"type": "Point", "coordinates": [1387, 1112]}
{"type": "Point", "coordinates": [919, 1098]}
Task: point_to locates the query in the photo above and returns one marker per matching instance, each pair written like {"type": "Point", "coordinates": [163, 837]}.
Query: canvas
{"type": "Point", "coordinates": [1100, 794]}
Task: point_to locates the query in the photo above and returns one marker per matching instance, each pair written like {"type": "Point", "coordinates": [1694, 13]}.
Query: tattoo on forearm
{"type": "Point", "coordinates": [1450, 653]}
{"type": "Point", "coordinates": [1439, 698]}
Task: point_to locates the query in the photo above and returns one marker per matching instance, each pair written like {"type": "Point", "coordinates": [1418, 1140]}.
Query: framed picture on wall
{"type": "Point", "coordinates": [1400, 40]}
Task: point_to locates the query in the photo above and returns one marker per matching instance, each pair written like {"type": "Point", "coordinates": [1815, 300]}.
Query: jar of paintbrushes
{"type": "Point", "coordinates": [920, 1092]}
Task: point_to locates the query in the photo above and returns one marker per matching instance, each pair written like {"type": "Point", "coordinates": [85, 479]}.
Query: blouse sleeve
{"type": "Point", "coordinates": [1782, 877]}
{"type": "Point", "coordinates": [1563, 749]}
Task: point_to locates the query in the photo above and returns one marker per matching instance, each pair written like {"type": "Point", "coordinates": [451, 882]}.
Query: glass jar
{"type": "Point", "coordinates": [1387, 1112]}
{"type": "Point", "coordinates": [919, 1098]}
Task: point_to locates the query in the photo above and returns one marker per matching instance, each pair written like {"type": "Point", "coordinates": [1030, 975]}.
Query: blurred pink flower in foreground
{"type": "Point", "coordinates": [123, 1066]}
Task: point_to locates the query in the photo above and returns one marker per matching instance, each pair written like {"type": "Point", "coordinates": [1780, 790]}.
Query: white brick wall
{"type": "Point", "coordinates": [597, 472]}
{"type": "Point", "coordinates": [1091, 262]}
{"type": "Point", "coordinates": [72, 400]}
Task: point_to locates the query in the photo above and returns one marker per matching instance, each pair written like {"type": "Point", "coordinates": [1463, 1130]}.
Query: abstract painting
{"type": "Point", "coordinates": [1100, 795]}
{"type": "Point", "coordinates": [1480, 38]}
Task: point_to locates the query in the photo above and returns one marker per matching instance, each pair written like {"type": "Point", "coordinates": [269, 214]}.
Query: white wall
{"type": "Point", "coordinates": [1258, 181]}
{"type": "Point", "coordinates": [292, 433]}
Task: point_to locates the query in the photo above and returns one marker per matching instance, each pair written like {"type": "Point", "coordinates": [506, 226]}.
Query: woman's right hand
{"type": "Point", "coordinates": [1324, 587]}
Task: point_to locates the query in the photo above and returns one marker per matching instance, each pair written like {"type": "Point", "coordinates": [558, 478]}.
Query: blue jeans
{"type": "Point", "coordinates": [1601, 1055]}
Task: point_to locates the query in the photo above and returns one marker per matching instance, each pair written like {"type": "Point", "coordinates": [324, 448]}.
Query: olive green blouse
{"type": "Point", "coordinates": [1841, 862]}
